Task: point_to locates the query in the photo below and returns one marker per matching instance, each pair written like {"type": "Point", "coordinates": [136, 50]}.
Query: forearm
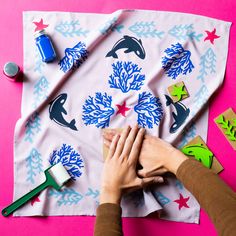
{"type": "Point", "coordinates": [214, 196]}
{"type": "Point", "coordinates": [108, 220]}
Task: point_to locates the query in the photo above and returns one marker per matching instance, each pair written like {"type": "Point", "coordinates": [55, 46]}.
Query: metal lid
{"type": "Point", "coordinates": [11, 69]}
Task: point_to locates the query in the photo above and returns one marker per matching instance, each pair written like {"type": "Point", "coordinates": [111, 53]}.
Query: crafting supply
{"type": "Point", "coordinates": [56, 177]}
{"type": "Point", "coordinates": [178, 91]}
{"type": "Point", "coordinates": [11, 70]}
{"type": "Point", "coordinates": [200, 153]}
{"type": "Point", "coordinates": [226, 122]}
{"type": "Point", "coordinates": [194, 148]}
{"type": "Point", "coordinates": [45, 46]}
{"type": "Point", "coordinates": [113, 75]}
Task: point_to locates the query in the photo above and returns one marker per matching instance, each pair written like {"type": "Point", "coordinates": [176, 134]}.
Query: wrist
{"type": "Point", "coordinates": [175, 160]}
{"type": "Point", "coordinates": [110, 195]}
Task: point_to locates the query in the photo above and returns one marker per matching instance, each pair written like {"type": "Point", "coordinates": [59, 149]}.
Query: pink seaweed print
{"type": "Point", "coordinates": [211, 36]}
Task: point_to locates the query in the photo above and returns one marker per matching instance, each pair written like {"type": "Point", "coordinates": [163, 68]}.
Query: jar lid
{"type": "Point", "coordinates": [11, 69]}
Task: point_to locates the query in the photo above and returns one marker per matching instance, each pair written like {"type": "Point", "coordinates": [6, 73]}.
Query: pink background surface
{"type": "Point", "coordinates": [11, 49]}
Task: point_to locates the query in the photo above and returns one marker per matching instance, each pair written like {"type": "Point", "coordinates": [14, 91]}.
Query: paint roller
{"type": "Point", "coordinates": [56, 177]}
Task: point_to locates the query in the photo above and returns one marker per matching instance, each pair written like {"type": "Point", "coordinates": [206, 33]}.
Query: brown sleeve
{"type": "Point", "coordinates": [214, 196]}
{"type": "Point", "coordinates": [108, 220]}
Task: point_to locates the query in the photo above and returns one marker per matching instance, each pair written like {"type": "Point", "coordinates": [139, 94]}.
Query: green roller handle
{"type": "Point", "coordinates": [21, 201]}
{"type": "Point", "coordinates": [18, 203]}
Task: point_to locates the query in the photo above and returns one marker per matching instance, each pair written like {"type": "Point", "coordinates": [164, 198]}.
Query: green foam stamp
{"type": "Point", "coordinates": [228, 128]}
{"type": "Point", "coordinates": [178, 91]}
{"type": "Point", "coordinates": [226, 122]}
{"type": "Point", "coordinates": [200, 153]}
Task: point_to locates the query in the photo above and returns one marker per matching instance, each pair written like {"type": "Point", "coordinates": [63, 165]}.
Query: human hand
{"type": "Point", "coordinates": [119, 172]}
{"type": "Point", "coordinates": [156, 156]}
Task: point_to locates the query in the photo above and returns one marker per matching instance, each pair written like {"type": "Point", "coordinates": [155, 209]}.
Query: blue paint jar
{"type": "Point", "coordinates": [45, 46]}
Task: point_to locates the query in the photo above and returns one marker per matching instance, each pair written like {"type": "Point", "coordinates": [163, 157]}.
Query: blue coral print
{"type": "Point", "coordinates": [185, 32]}
{"type": "Point", "coordinates": [32, 127]}
{"type": "Point", "coordinates": [98, 110]}
{"type": "Point", "coordinates": [161, 198]}
{"type": "Point", "coordinates": [149, 110]}
{"type": "Point", "coordinates": [126, 76]}
{"type": "Point", "coordinates": [40, 91]}
{"type": "Point", "coordinates": [177, 61]}
{"type": "Point", "coordinates": [74, 57]}
{"type": "Point", "coordinates": [207, 65]}
{"type": "Point", "coordinates": [71, 29]}
{"type": "Point", "coordinates": [70, 159]}
{"type": "Point", "coordinates": [111, 25]}
{"type": "Point", "coordinates": [179, 185]}
{"type": "Point", "coordinates": [67, 196]}
{"type": "Point", "coordinates": [34, 165]}
{"type": "Point", "coordinates": [146, 29]}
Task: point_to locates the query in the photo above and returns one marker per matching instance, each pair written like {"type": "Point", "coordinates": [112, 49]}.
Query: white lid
{"type": "Point", "coordinates": [39, 33]}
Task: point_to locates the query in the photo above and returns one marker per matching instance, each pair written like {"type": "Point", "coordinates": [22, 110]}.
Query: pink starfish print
{"type": "Point", "coordinates": [40, 25]}
{"type": "Point", "coordinates": [182, 201]}
{"type": "Point", "coordinates": [211, 36]}
{"type": "Point", "coordinates": [35, 199]}
{"type": "Point", "coordinates": [122, 109]}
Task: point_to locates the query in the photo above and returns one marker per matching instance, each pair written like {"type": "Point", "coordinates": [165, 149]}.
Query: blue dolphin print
{"type": "Point", "coordinates": [56, 111]}
{"type": "Point", "coordinates": [131, 43]}
{"type": "Point", "coordinates": [181, 114]}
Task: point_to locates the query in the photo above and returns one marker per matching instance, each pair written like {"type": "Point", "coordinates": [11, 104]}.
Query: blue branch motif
{"type": "Point", "coordinates": [92, 193]}
{"type": "Point", "coordinates": [71, 29]}
{"type": "Point", "coordinates": [149, 110]}
{"type": "Point", "coordinates": [161, 198]}
{"type": "Point", "coordinates": [111, 25]}
{"type": "Point", "coordinates": [34, 165]}
{"type": "Point", "coordinates": [184, 32]}
{"type": "Point", "coordinates": [207, 64]}
{"type": "Point", "coordinates": [70, 159]}
{"type": "Point", "coordinates": [179, 185]}
{"type": "Point", "coordinates": [74, 57]}
{"type": "Point", "coordinates": [40, 91]}
{"type": "Point", "coordinates": [126, 76]}
{"type": "Point", "coordinates": [200, 98]}
{"type": "Point", "coordinates": [177, 61]}
{"type": "Point", "coordinates": [187, 135]}
{"type": "Point", "coordinates": [68, 196]}
{"type": "Point", "coordinates": [38, 62]}
{"type": "Point", "coordinates": [146, 29]}
{"type": "Point", "coordinates": [98, 110]}
{"type": "Point", "coordinates": [32, 127]}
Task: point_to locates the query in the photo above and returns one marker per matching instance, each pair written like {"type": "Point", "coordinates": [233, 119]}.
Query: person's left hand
{"type": "Point", "coordinates": [119, 173]}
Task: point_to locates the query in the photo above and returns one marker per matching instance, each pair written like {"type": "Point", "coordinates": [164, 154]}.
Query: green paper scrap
{"type": "Point", "coordinates": [230, 132]}
{"type": "Point", "coordinates": [200, 153]}
{"type": "Point", "coordinates": [178, 91]}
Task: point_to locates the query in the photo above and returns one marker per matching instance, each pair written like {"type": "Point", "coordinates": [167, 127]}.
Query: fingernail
{"type": "Point", "coordinates": [160, 180]}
